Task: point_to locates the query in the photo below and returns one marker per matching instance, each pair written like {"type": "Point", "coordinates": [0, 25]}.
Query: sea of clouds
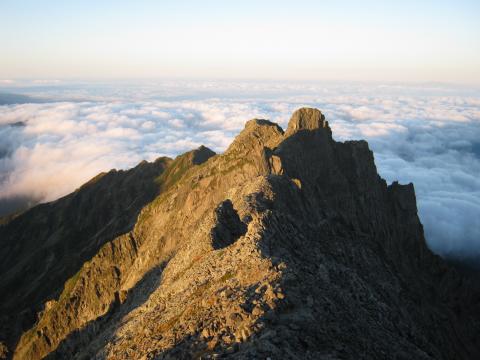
{"type": "Point", "coordinates": [57, 136]}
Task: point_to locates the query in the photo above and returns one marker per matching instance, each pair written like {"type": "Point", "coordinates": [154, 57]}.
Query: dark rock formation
{"type": "Point", "coordinates": [228, 226]}
{"type": "Point", "coordinates": [288, 245]}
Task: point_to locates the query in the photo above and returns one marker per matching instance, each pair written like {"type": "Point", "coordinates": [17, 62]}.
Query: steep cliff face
{"type": "Point", "coordinates": [288, 245]}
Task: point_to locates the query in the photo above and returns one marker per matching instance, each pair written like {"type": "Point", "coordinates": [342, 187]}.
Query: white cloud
{"type": "Point", "coordinates": [428, 136]}
{"type": "Point", "coordinates": [373, 129]}
{"type": "Point", "coordinates": [148, 125]}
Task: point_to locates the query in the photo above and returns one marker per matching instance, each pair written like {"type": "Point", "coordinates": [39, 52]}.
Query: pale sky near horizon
{"type": "Point", "coordinates": [318, 40]}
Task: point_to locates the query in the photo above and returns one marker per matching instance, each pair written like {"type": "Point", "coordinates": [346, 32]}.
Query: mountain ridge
{"type": "Point", "coordinates": [289, 244]}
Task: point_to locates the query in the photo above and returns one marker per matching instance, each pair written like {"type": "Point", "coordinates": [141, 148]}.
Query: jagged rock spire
{"type": "Point", "coordinates": [306, 119]}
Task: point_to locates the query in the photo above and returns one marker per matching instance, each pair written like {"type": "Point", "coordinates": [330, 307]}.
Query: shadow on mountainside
{"type": "Point", "coordinates": [153, 179]}
{"type": "Point", "coordinates": [49, 243]}
{"type": "Point", "coordinates": [97, 333]}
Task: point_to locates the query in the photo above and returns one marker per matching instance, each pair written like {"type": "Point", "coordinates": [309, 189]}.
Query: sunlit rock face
{"type": "Point", "coordinates": [288, 245]}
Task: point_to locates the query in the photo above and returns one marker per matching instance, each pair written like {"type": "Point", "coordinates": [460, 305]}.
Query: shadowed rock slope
{"type": "Point", "coordinates": [289, 245]}
{"type": "Point", "coordinates": [42, 248]}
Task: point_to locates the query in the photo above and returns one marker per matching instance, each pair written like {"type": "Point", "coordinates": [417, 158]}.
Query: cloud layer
{"type": "Point", "coordinates": [428, 136]}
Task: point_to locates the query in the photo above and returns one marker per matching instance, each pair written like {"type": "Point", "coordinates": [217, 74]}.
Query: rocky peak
{"type": "Point", "coordinates": [258, 133]}
{"type": "Point", "coordinates": [195, 157]}
{"type": "Point", "coordinates": [202, 154]}
{"type": "Point", "coordinates": [307, 119]}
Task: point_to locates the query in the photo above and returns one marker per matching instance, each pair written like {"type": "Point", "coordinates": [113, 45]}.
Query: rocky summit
{"type": "Point", "coordinates": [289, 245]}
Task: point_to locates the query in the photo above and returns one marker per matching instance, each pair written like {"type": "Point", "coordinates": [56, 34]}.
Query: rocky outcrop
{"type": "Point", "coordinates": [306, 119]}
{"type": "Point", "coordinates": [288, 245]}
{"type": "Point", "coordinates": [228, 226]}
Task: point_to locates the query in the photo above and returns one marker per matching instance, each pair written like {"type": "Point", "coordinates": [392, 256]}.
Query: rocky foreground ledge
{"type": "Point", "coordinates": [287, 246]}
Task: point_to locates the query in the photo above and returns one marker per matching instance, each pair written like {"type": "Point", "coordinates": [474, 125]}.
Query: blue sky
{"type": "Point", "coordinates": [332, 40]}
